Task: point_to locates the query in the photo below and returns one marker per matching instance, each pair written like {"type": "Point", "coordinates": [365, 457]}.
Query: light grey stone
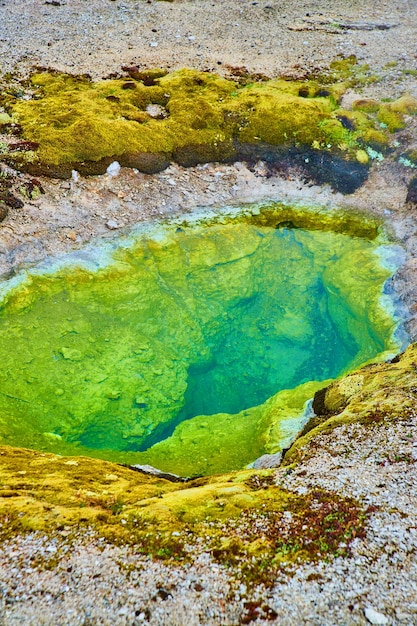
{"type": "Point", "coordinates": [374, 617]}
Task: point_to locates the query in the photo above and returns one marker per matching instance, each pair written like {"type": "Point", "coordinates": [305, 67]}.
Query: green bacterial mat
{"type": "Point", "coordinates": [193, 349]}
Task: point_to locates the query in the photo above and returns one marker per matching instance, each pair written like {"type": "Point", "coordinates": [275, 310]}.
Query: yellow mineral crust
{"type": "Point", "coordinates": [373, 394]}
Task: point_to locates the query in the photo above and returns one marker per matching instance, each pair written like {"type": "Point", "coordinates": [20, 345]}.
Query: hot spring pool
{"type": "Point", "coordinates": [192, 348]}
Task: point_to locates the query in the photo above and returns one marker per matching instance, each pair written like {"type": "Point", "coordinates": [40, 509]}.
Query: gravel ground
{"type": "Point", "coordinates": [82, 580]}
{"type": "Point", "coordinates": [98, 36]}
{"type": "Point", "coordinates": [85, 581]}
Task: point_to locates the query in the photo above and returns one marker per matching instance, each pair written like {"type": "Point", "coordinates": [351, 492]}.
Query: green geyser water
{"type": "Point", "coordinates": [191, 349]}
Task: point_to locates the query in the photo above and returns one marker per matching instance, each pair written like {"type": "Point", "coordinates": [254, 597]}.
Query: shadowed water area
{"type": "Point", "coordinates": [193, 349]}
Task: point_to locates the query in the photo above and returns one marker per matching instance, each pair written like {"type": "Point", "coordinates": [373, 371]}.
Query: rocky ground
{"type": "Point", "coordinates": [268, 36]}
{"type": "Point", "coordinates": [92, 582]}
{"type": "Point", "coordinates": [85, 580]}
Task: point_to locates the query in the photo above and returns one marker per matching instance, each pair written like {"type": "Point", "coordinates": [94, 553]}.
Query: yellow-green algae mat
{"type": "Point", "coordinates": [243, 519]}
{"type": "Point", "coordinates": [152, 117]}
{"type": "Point", "coordinates": [190, 347]}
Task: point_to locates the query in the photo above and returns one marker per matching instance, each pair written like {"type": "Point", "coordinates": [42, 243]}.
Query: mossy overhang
{"type": "Point", "coordinates": [175, 521]}
{"type": "Point", "coordinates": [151, 118]}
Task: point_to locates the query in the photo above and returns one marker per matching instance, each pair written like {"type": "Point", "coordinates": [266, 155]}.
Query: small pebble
{"type": "Point", "coordinates": [402, 617]}
{"type": "Point", "coordinates": [113, 169]}
{"type": "Point", "coordinates": [374, 617]}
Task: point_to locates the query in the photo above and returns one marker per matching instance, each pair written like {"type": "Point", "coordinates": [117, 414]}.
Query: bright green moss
{"type": "Point", "coordinates": [375, 139]}
{"type": "Point", "coordinates": [278, 118]}
{"type": "Point", "coordinates": [391, 114]}
{"type": "Point", "coordinates": [368, 105]}
{"type": "Point", "coordinates": [4, 119]}
{"type": "Point", "coordinates": [390, 118]}
{"type": "Point", "coordinates": [348, 72]}
{"type": "Point", "coordinates": [406, 105]}
{"type": "Point", "coordinates": [388, 115]}
{"type": "Point", "coordinates": [343, 66]}
{"type": "Point", "coordinates": [75, 120]}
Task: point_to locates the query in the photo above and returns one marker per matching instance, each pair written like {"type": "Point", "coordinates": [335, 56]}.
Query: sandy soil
{"type": "Point", "coordinates": [270, 37]}
{"type": "Point", "coordinates": [99, 36]}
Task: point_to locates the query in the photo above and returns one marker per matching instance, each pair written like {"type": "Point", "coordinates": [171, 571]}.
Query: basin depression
{"type": "Point", "coordinates": [189, 346]}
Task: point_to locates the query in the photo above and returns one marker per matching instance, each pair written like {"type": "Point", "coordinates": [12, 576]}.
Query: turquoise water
{"type": "Point", "coordinates": [207, 320]}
